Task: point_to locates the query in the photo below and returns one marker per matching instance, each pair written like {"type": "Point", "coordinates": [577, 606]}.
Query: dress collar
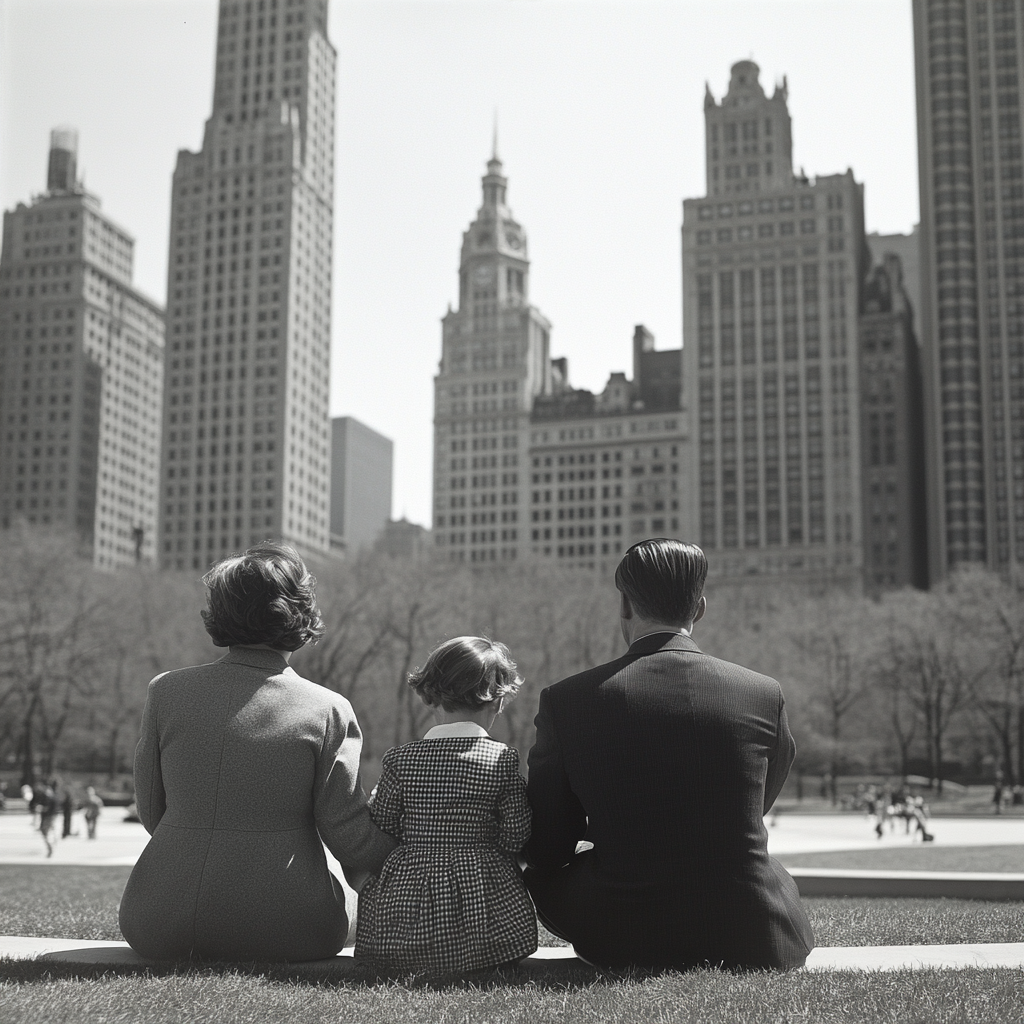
{"type": "Point", "coordinates": [256, 657]}
{"type": "Point", "coordinates": [440, 732]}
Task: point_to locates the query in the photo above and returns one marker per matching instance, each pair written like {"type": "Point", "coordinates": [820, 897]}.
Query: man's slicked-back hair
{"type": "Point", "coordinates": [663, 579]}
{"type": "Point", "coordinates": [265, 596]}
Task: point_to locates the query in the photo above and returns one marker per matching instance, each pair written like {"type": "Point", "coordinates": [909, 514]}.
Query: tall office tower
{"type": "Point", "coordinates": [772, 277]}
{"type": "Point", "coordinates": [609, 470]}
{"type": "Point", "coordinates": [494, 362]}
{"type": "Point", "coordinates": [969, 97]}
{"type": "Point", "coordinates": [81, 372]}
{"type": "Point", "coordinates": [360, 484]}
{"type": "Point", "coordinates": [246, 432]}
{"type": "Point", "coordinates": [892, 436]}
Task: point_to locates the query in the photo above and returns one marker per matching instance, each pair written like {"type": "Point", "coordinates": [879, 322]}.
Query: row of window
{"type": "Point", "coordinates": [748, 207]}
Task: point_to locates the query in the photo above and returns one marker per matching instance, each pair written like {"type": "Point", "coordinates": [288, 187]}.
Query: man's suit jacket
{"type": "Point", "coordinates": [666, 760]}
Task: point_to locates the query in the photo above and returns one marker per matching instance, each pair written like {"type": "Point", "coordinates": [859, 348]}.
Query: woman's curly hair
{"type": "Point", "coordinates": [465, 673]}
{"type": "Point", "coordinates": [266, 596]}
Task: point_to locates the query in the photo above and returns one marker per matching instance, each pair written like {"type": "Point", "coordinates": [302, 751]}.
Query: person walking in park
{"type": "Point", "coordinates": [665, 761]}
{"type": "Point", "coordinates": [93, 806]}
{"type": "Point", "coordinates": [67, 806]}
{"type": "Point", "coordinates": [49, 808]}
{"type": "Point", "coordinates": [243, 773]}
{"type": "Point", "coordinates": [450, 898]}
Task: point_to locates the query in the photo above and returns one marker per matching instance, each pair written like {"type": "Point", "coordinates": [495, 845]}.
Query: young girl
{"type": "Point", "coordinates": [450, 898]}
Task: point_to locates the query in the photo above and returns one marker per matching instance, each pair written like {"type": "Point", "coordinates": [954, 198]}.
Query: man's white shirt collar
{"type": "Point", "coordinates": [439, 732]}
{"type": "Point", "coordinates": [655, 632]}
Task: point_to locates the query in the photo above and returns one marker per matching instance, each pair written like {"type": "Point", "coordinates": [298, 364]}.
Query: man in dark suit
{"type": "Point", "coordinates": [666, 760]}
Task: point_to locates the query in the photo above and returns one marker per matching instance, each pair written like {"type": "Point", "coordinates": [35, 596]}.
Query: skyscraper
{"type": "Point", "coordinates": [968, 56]}
{"type": "Point", "coordinates": [773, 266]}
{"type": "Point", "coordinates": [494, 361]}
{"type": "Point", "coordinates": [892, 435]}
{"type": "Point", "coordinates": [81, 372]}
{"type": "Point", "coordinates": [361, 461]}
{"type": "Point", "coordinates": [246, 431]}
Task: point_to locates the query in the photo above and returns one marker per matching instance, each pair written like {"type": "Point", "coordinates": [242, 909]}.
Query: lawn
{"type": "Point", "coordinates": [914, 858]}
{"type": "Point", "coordinates": [82, 903]}
{"type": "Point", "coordinates": [565, 996]}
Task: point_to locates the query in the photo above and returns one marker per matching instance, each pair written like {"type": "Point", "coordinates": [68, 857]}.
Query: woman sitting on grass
{"type": "Point", "coordinates": [243, 767]}
{"type": "Point", "coordinates": [451, 898]}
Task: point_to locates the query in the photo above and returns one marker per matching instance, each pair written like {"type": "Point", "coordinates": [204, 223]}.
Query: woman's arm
{"type": "Point", "coordinates": [339, 803]}
{"type": "Point", "coordinates": [149, 781]}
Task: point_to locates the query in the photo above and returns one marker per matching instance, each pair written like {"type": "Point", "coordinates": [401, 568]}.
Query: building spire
{"type": "Point", "coordinates": [494, 144]}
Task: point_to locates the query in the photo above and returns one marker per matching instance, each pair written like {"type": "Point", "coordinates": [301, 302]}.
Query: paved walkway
{"type": "Point", "coordinates": [121, 842]}
{"type": "Point", "coordinates": [825, 958]}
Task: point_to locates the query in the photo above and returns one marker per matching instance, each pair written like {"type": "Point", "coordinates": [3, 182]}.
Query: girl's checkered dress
{"type": "Point", "coordinates": [450, 898]}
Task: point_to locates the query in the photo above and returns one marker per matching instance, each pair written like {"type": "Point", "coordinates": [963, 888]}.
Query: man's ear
{"type": "Point", "coordinates": [702, 607]}
{"type": "Point", "coordinates": [625, 608]}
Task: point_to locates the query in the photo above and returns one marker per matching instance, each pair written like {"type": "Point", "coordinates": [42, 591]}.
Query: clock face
{"type": "Point", "coordinates": [513, 240]}
{"type": "Point", "coordinates": [483, 274]}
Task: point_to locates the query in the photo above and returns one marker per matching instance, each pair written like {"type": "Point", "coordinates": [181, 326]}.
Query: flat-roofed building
{"type": "Point", "coordinates": [81, 372]}
{"type": "Point", "coordinates": [970, 100]}
{"type": "Point", "coordinates": [608, 470]}
{"type": "Point", "coordinates": [361, 471]}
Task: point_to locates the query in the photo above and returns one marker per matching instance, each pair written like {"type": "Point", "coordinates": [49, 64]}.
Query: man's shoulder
{"type": "Point", "coordinates": [588, 679]}
{"type": "Point", "coordinates": [693, 664]}
{"type": "Point", "coordinates": [740, 673]}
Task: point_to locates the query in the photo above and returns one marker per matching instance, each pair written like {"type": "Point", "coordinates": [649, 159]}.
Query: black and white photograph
{"type": "Point", "coordinates": [512, 510]}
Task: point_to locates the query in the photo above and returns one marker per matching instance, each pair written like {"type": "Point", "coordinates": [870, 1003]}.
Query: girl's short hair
{"type": "Point", "coordinates": [266, 596]}
{"type": "Point", "coordinates": [465, 673]}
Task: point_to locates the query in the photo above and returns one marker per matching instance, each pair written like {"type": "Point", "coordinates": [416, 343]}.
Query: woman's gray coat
{"type": "Point", "coordinates": [243, 767]}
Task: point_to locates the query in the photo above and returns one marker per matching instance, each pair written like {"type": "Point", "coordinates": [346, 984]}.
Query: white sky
{"type": "Point", "coordinates": [601, 129]}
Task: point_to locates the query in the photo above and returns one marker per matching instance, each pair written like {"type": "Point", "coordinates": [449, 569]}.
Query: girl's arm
{"type": "Point", "coordinates": [513, 807]}
{"type": "Point", "coordinates": [386, 801]}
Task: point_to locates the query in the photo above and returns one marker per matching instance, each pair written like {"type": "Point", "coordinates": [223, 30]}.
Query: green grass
{"type": "Point", "coordinates": [914, 858]}
{"type": "Point", "coordinates": [82, 902]}
{"type": "Point", "coordinates": [35, 996]}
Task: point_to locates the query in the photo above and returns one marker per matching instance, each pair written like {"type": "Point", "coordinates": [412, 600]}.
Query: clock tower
{"type": "Point", "coordinates": [494, 362]}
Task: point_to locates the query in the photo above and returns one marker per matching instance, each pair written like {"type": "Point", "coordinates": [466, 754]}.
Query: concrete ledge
{"type": "Point", "coordinates": [824, 958]}
{"type": "Point", "coordinates": [90, 951]}
{"type": "Point", "coordinates": [971, 885]}
{"type": "Point", "coordinates": [898, 958]}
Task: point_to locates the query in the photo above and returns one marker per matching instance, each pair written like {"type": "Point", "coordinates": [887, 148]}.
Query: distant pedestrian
{"type": "Point", "coordinates": [67, 806]}
{"type": "Point", "coordinates": [48, 811]}
{"type": "Point", "coordinates": [28, 794]}
{"type": "Point", "coordinates": [93, 806]}
{"type": "Point", "coordinates": [998, 796]}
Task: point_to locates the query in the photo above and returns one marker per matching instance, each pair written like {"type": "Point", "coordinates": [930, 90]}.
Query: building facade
{"type": "Point", "coordinates": [81, 372]}
{"type": "Point", "coordinates": [361, 464]}
{"type": "Point", "coordinates": [494, 363]}
{"type": "Point", "coordinates": [892, 436]}
{"type": "Point", "coordinates": [773, 266]}
{"type": "Point", "coordinates": [246, 429]}
{"type": "Point", "coordinates": [967, 56]}
{"type": "Point", "coordinates": [609, 470]}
